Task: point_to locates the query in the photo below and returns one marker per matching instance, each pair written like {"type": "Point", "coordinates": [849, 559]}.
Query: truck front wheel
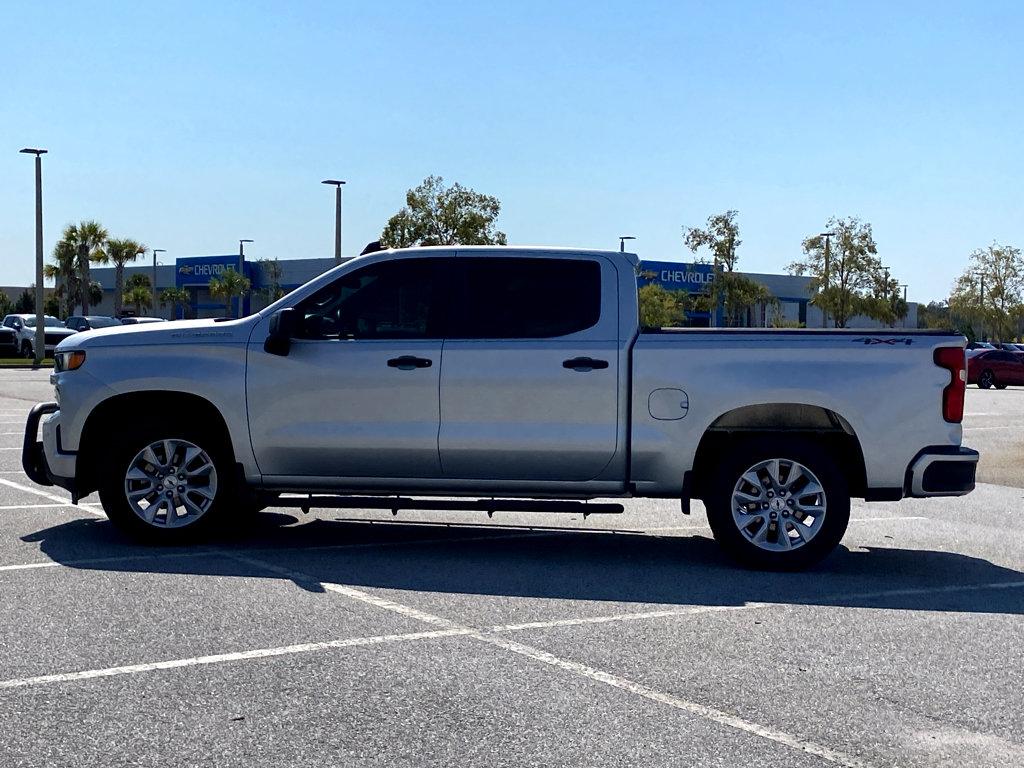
{"type": "Point", "coordinates": [778, 503]}
{"type": "Point", "coordinates": [167, 484]}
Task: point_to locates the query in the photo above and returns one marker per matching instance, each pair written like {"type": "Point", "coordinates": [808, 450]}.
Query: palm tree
{"type": "Point", "coordinates": [120, 251]}
{"type": "Point", "coordinates": [137, 292]}
{"type": "Point", "coordinates": [228, 285]}
{"type": "Point", "coordinates": [176, 297]}
{"type": "Point", "coordinates": [64, 272]}
{"type": "Point", "coordinates": [88, 237]}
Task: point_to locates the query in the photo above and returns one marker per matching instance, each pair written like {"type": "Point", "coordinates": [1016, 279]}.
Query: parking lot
{"type": "Point", "coordinates": [352, 637]}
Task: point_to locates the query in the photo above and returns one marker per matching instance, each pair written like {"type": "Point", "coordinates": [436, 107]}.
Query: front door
{"type": "Point", "coordinates": [357, 395]}
{"type": "Point", "coordinates": [530, 380]}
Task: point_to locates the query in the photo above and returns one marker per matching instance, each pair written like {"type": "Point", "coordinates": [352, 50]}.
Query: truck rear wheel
{"type": "Point", "coordinates": [778, 503]}
{"type": "Point", "coordinates": [167, 484]}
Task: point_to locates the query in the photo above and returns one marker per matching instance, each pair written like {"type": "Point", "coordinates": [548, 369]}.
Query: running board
{"type": "Point", "coordinates": [489, 506]}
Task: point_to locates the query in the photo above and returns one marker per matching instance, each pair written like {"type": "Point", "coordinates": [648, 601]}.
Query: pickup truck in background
{"type": "Point", "coordinates": [515, 378]}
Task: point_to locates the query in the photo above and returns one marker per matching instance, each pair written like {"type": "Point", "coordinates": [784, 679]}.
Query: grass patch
{"type": "Point", "coordinates": [23, 362]}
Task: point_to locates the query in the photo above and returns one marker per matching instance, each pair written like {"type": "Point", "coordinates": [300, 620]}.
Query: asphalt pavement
{"type": "Point", "coordinates": [358, 638]}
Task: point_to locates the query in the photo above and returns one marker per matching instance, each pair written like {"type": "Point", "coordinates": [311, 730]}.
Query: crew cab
{"type": "Point", "coordinates": [509, 378]}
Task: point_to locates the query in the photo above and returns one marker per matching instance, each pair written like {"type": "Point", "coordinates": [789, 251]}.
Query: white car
{"type": "Point", "coordinates": [24, 327]}
{"type": "Point", "coordinates": [517, 376]}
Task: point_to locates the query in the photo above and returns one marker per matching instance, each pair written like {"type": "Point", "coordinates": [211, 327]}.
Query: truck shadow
{"type": "Point", "coordinates": [547, 563]}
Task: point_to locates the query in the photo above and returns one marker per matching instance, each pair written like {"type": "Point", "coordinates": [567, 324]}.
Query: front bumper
{"type": "Point", "coordinates": [44, 461]}
{"type": "Point", "coordinates": [942, 471]}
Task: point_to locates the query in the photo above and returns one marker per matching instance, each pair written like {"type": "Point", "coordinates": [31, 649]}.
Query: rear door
{"type": "Point", "coordinates": [529, 384]}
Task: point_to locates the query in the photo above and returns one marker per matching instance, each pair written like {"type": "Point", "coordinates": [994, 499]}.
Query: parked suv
{"type": "Point", "coordinates": [87, 322]}
{"type": "Point", "coordinates": [24, 327]}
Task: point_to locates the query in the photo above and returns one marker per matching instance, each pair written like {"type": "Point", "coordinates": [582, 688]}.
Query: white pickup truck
{"type": "Point", "coordinates": [515, 378]}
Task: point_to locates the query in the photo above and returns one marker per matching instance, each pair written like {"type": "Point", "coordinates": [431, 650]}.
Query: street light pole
{"type": "Point", "coordinates": [906, 307]}
{"type": "Point", "coordinates": [337, 216]}
{"type": "Point", "coordinates": [622, 242]}
{"type": "Point", "coordinates": [40, 345]}
{"type": "Point", "coordinates": [155, 252]}
{"type": "Point", "coordinates": [981, 297]}
{"type": "Point", "coordinates": [828, 254]}
{"type": "Point", "coordinates": [241, 265]}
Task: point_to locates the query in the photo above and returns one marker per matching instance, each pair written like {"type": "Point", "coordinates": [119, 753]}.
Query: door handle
{"type": "Point", "coordinates": [409, 362]}
{"type": "Point", "coordinates": [584, 364]}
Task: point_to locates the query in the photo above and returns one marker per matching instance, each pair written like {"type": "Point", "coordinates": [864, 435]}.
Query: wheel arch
{"type": "Point", "coordinates": [109, 415]}
{"type": "Point", "coordinates": [773, 419]}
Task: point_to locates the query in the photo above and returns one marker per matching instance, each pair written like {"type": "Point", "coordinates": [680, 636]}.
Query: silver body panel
{"type": "Point", "coordinates": [504, 416]}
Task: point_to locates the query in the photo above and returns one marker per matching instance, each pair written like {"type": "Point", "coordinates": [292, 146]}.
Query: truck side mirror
{"type": "Point", "coordinates": [283, 325]}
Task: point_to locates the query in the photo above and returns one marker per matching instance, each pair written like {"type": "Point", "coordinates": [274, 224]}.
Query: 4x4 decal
{"type": "Point", "coordinates": [885, 339]}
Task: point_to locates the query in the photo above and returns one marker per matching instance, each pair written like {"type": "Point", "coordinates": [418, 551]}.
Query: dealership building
{"type": "Point", "coordinates": [791, 293]}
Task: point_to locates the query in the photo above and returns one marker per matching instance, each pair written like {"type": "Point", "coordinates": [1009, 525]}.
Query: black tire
{"type": "Point", "coordinates": [221, 513]}
{"type": "Point", "coordinates": [746, 453]}
{"type": "Point", "coordinates": [26, 350]}
{"type": "Point", "coordinates": [987, 379]}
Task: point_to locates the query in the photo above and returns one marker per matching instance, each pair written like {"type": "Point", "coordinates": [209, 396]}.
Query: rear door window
{"type": "Point", "coordinates": [526, 298]}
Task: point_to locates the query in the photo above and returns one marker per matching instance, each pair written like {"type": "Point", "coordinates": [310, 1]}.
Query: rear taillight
{"type": "Point", "coordinates": [954, 360]}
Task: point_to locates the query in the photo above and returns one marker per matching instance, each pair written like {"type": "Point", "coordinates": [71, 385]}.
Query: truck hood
{"type": "Point", "coordinates": [172, 332]}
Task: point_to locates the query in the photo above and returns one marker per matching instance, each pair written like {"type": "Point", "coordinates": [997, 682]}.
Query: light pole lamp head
{"type": "Point", "coordinates": [159, 251]}
{"type": "Point", "coordinates": [623, 239]}
{"type": "Point", "coordinates": [33, 151]}
{"type": "Point", "coordinates": [335, 182]}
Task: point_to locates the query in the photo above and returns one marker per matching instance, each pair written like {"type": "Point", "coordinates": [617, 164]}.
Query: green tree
{"type": "Point", "coordinates": [435, 215]}
{"type": "Point", "coordinates": [271, 273]}
{"type": "Point", "coordinates": [228, 285]}
{"type": "Point", "coordinates": [885, 303]}
{"type": "Point", "coordinates": [6, 305]}
{"type": "Point", "coordinates": [735, 293]}
{"type": "Point", "coordinates": [660, 307]}
{"type": "Point", "coordinates": [119, 252]}
{"type": "Point", "coordinates": [845, 287]}
{"type": "Point", "coordinates": [64, 272]}
{"type": "Point", "coordinates": [88, 238]}
{"type": "Point", "coordinates": [999, 310]}
{"type": "Point", "coordinates": [26, 301]}
{"type": "Point", "coordinates": [138, 292]}
{"type": "Point", "coordinates": [175, 297]}
{"type": "Point", "coordinates": [51, 305]}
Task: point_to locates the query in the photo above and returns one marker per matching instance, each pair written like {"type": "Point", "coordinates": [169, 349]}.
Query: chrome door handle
{"type": "Point", "coordinates": [584, 364]}
{"type": "Point", "coordinates": [409, 362]}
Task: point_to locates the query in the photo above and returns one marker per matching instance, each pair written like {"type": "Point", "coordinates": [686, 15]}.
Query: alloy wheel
{"type": "Point", "coordinates": [778, 505]}
{"type": "Point", "coordinates": [171, 483]}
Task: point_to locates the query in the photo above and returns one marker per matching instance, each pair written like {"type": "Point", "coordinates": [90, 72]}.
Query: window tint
{"type": "Point", "coordinates": [512, 298]}
{"type": "Point", "coordinates": [390, 300]}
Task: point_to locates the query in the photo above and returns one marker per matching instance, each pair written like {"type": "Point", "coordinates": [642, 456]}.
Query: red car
{"type": "Point", "coordinates": [995, 368]}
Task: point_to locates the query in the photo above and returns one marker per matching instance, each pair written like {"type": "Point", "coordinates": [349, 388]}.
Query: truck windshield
{"type": "Point", "coordinates": [48, 321]}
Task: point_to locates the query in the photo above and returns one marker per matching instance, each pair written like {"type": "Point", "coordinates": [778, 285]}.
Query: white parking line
{"type": "Point", "coordinates": [212, 659]}
{"type": "Point", "coordinates": [32, 507]}
{"type": "Point", "coordinates": [661, 614]}
{"type": "Point", "coordinates": [47, 495]}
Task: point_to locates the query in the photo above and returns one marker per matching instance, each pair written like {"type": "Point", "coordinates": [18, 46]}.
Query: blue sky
{"type": "Point", "coordinates": [191, 125]}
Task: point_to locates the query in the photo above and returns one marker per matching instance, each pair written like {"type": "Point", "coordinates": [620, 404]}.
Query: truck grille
{"type": "Point", "coordinates": [53, 338]}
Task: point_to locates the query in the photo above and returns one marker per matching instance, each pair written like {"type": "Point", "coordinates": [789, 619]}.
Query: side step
{"type": "Point", "coordinates": [489, 506]}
